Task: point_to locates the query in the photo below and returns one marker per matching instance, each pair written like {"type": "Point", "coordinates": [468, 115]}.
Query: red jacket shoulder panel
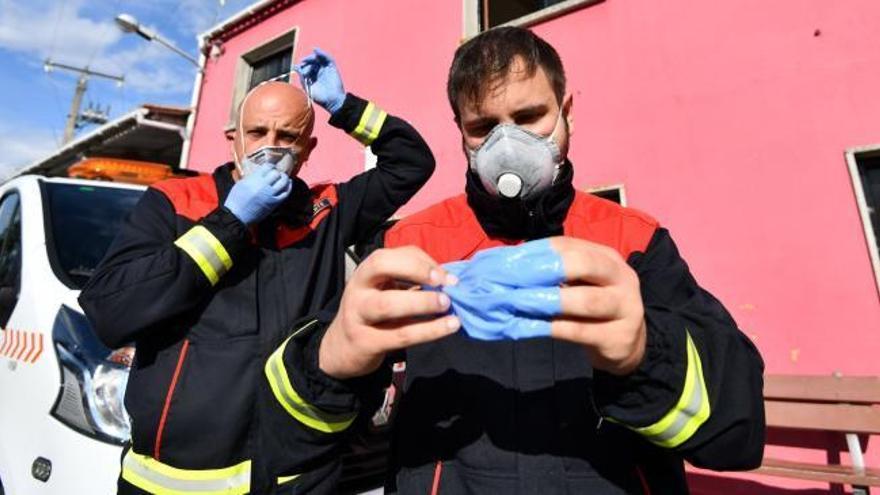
{"type": "Point", "coordinates": [605, 222]}
{"type": "Point", "coordinates": [192, 197]}
{"type": "Point", "coordinates": [447, 231]}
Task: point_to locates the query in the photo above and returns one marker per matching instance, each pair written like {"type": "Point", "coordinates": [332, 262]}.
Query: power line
{"type": "Point", "coordinates": [99, 45]}
{"type": "Point", "coordinates": [58, 106]}
{"type": "Point", "coordinates": [74, 118]}
{"type": "Point", "coordinates": [55, 29]}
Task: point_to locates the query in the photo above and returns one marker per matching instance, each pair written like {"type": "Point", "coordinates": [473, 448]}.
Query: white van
{"type": "Point", "coordinates": [62, 420]}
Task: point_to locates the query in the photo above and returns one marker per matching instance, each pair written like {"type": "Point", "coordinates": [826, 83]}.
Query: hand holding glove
{"type": "Point", "coordinates": [319, 72]}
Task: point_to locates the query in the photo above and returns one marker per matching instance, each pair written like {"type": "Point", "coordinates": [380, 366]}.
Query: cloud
{"type": "Point", "coordinates": [194, 17]}
{"type": "Point", "coordinates": [69, 37]}
{"type": "Point", "coordinates": [21, 148]}
{"type": "Point", "coordinates": [54, 28]}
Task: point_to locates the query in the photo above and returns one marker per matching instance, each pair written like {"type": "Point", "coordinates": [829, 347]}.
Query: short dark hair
{"type": "Point", "coordinates": [488, 57]}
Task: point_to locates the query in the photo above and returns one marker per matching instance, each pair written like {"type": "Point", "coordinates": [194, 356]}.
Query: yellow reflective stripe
{"type": "Point", "coordinates": [691, 410]}
{"type": "Point", "coordinates": [153, 476]}
{"type": "Point", "coordinates": [284, 479]}
{"type": "Point", "coordinates": [376, 127]}
{"type": "Point", "coordinates": [208, 253]}
{"type": "Point", "coordinates": [302, 411]}
{"type": "Point", "coordinates": [368, 111]}
{"type": "Point", "coordinates": [370, 124]}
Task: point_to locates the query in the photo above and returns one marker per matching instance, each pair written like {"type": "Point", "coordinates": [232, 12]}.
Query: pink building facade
{"type": "Point", "coordinates": [727, 121]}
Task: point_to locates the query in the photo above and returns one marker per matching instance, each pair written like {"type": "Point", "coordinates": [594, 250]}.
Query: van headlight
{"type": "Point", "coordinates": [93, 379]}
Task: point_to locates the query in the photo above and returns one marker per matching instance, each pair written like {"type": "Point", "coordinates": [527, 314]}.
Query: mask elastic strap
{"type": "Point", "coordinates": [556, 127]}
{"type": "Point", "coordinates": [241, 127]}
{"type": "Point", "coordinates": [558, 167]}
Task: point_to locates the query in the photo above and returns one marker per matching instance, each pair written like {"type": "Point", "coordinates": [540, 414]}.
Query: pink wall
{"type": "Point", "coordinates": [727, 121]}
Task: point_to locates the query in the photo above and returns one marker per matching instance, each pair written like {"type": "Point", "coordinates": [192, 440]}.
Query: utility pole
{"type": "Point", "coordinates": [74, 118]}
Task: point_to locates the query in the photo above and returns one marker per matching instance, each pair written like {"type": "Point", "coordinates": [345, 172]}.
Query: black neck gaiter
{"type": "Point", "coordinates": [540, 216]}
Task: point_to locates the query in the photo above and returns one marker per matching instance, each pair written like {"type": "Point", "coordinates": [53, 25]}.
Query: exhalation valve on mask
{"type": "Point", "coordinates": [513, 162]}
{"type": "Point", "coordinates": [509, 185]}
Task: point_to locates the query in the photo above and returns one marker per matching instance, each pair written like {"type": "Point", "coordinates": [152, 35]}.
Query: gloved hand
{"type": "Point", "coordinates": [255, 196]}
{"type": "Point", "coordinates": [508, 292]}
{"type": "Point", "coordinates": [320, 72]}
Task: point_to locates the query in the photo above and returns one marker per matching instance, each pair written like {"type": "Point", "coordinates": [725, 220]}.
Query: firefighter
{"type": "Point", "coordinates": [643, 368]}
{"type": "Point", "coordinates": [209, 274]}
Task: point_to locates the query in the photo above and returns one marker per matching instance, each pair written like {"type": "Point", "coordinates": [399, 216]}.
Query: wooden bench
{"type": "Point", "coordinates": [849, 406]}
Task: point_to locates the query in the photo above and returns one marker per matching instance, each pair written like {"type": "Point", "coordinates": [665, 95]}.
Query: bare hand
{"type": "Point", "coordinates": [376, 316]}
{"type": "Point", "coordinates": [601, 305]}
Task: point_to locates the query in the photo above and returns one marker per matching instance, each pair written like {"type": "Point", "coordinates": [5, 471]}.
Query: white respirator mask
{"type": "Point", "coordinates": [283, 159]}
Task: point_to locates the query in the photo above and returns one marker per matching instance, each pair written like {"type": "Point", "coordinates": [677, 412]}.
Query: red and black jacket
{"type": "Point", "coordinates": [532, 416]}
{"type": "Point", "coordinates": [207, 301]}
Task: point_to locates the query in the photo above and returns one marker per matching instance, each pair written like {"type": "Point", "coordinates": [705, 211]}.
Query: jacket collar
{"type": "Point", "coordinates": [515, 219]}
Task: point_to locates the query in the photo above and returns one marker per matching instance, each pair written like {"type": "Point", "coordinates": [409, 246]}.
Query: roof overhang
{"type": "Point", "coordinates": [149, 133]}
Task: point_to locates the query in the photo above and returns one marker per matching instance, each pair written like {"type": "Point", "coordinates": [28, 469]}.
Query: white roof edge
{"type": "Point", "coordinates": [238, 16]}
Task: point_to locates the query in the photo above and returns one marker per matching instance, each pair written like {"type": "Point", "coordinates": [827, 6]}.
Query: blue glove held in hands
{"type": "Point", "coordinates": [319, 71]}
{"type": "Point", "coordinates": [508, 292]}
{"type": "Point", "coordinates": [253, 197]}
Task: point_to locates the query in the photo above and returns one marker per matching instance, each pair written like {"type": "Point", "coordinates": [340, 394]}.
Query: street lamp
{"type": "Point", "coordinates": [128, 24]}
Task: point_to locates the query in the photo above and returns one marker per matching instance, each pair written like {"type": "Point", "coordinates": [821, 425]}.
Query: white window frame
{"type": "Point", "coordinates": [862, 204]}
{"type": "Point", "coordinates": [244, 68]}
{"type": "Point", "coordinates": [471, 17]}
{"type": "Point", "coordinates": [611, 187]}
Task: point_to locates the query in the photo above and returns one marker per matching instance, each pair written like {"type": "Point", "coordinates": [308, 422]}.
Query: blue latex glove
{"type": "Point", "coordinates": [508, 292]}
{"type": "Point", "coordinates": [319, 71]}
{"type": "Point", "coordinates": [253, 197]}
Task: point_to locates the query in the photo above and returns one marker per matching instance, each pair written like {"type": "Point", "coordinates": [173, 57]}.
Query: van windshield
{"type": "Point", "coordinates": [81, 222]}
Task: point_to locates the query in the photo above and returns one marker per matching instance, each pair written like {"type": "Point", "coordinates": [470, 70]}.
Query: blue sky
{"type": "Point", "coordinates": [34, 104]}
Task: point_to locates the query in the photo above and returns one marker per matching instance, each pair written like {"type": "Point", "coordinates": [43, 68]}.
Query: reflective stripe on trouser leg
{"type": "Point", "coordinates": [153, 476]}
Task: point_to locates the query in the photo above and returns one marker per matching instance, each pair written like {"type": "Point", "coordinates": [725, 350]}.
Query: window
{"type": "Point", "coordinates": [274, 66]}
{"type": "Point", "coordinates": [614, 193]}
{"type": "Point", "coordinates": [267, 61]}
{"type": "Point", "coordinates": [10, 255]}
{"type": "Point", "coordinates": [864, 169]}
{"type": "Point", "coordinates": [481, 15]}
{"type": "Point", "coordinates": [82, 221]}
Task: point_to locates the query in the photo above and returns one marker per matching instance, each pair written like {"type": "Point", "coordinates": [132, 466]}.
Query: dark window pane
{"type": "Point", "coordinates": [10, 256]}
{"type": "Point", "coordinates": [270, 67]}
{"type": "Point", "coordinates": [609, 194]}
{"type": "Point", "coordinates": [869, 170]}
{"type": "Point", "coordinates": [83, 221]}
{"type": "Point", "coordinates": [495, 12]}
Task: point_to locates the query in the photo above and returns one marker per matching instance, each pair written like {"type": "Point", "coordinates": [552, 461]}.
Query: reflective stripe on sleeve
{"type": "Point", "coordinates": [689, 413]}
{"type": "Point", "coordinates": [370, 124]}
{"type": "Point", "coordinates": [208, 253]}
{"type": "Point", "coordinates": [301, 410]}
